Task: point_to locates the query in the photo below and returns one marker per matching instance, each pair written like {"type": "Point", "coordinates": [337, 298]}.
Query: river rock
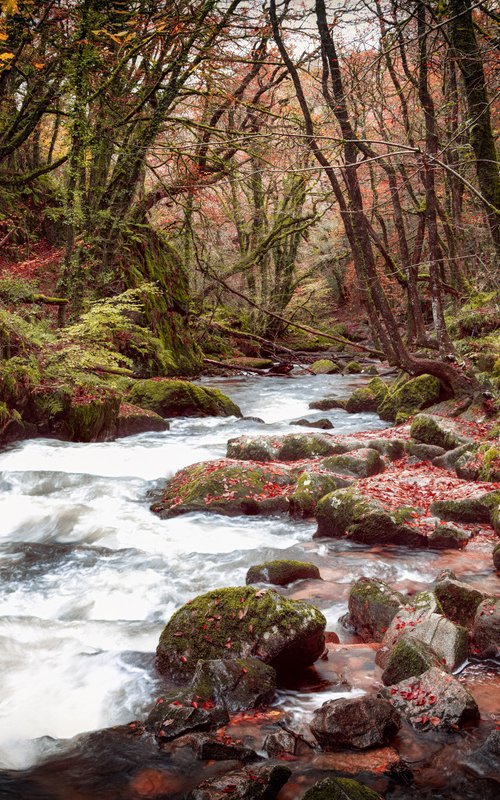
{"type": "Point", "coordinates": [340, 789]}
{"type": "Point", "coordinates": [281, 572]}
{"type": "Point", "coordinates": [311, 487]}
{"type": "Point", "coordinates": [278, 742]}
{"type": "Point", "coordinates": [359, 463]}
{"type": "Point", "coordinates": [481, 462]}
{"type": "Point", "coordinates": [227, 487]}
{"type": "Point", "coordinates": [449, 641]}
{"type": "Point", "coordinates": [252, 783]}
{"type": "Point", "coordinates": [324, 367]}
{"type": "Point", "coordinates": [496, 557]}
{"type": "Point", "coordinates": [393, 449]}
{"type": "Point", "coordinates": [432, 429]}
{"type": "Point", "coordinates": [235, 684]}
{"type": "Point", "coordinates": [353, 368]}
{"type": "Point", "coordinates": [328, 403]}
{"type": "Point", "coordinates": [292, 447]}
{"type": "Point", "coordinates": [372, 606]}
{"type": "Point", "coordinates": [486, 629]}
{"type": "Point", "coordinates": [458, 600]}
{"type": "Point", "coordinates": [435, 699]}
{"type": "Point", "coordinates": [417, 609]}
{"type": "Point", "coordinates": [485, 760]}
{"type": "Point", "coordinates": [409, 396]}
{"type": "Point", "coordinates": [171, 397]}
{"type": "Point", "coordinates": [367, 398]}
{"type": "Point", "coordinates": [424, 452]}
{"type": "Point", "coordinates": [409, 658]}
{"type": "Point", "coordinates": [448, 537]}
{"type": "Point", "coordinates": [346, 513]}
{"type": "Point", "coordinates": [132, 420]}
{"type": "Point", "coordinates": [177, 714]}
{"type": "Point", "coordinates": [449, 458]}
{"type": "Point", "coordinates": [360, 723]}
{"type": "Point", "coordinates": [476, 509]}
{"type": "Point", "coordinates": [240, 622]}
{"type": "Point", "coordinates": [324, 424]}
{"type": "Point", "coordinates": [221, 748]}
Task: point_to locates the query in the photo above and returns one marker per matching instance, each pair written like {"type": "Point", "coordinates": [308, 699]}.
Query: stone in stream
{"type": "Point", "coordinates": [132, 420]}
{"type": "Point", "coordinates": [432, 429]}
{"type": "Point", "coordinates": [479, 508]}
{"type": "Point", "coordinates": [367, 398]}
{"type": "Point", "coordinates": [449, 641]}
{"type": "Point", "coordinates": [340, 789]}
{"type": "Point", "coordinates": [324, 367]}
{"type": "Point", "coordinates": [240, 622]}
{"type": "Point", "coordinates": [486, 629]}
{"type": "Point", "coordinates": [209, 747]}
{"type": "Point", "coordinates": [372, 606]}
{"type": "Point", "coordinates": [311, 487]}
{"type": "Point", "coordinates": [485, 760]}
{"type": "Point", "coordinates": [252, 783]}
{"type": "Point", "coordinates": [360, 723]}
{"type": "Point", "coordinates": [358, 463]}
{"type": "Point", "coordinates": [407, 396]}
{"type": "Point", "coordinates": [448, 537]}
{"type": "Point", "coordinates": [292, 447]}
{"type": "Point", "coordinates": [281, 572]}
{"type": "Point", "coordinates": [496, 557]}
{"type": "Point", "coordinates": [434, 699]}
{"type": "Point", "coordinates": [458, 600]}
{"type": "Point", "coordinates": [409, 658]}
{"type": "Point", "coordinates": [416, 609]}
{"type": "Point", "coordinates": [324, 424]}
{"type": "Point", "coordinates": [171, 397]}
{"type": "Point", "coordinates": [328, 403]}
{"type": "Point", "coordinates": [278, 742]}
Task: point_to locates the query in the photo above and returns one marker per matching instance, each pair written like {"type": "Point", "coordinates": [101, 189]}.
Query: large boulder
{"type": "Point", "coordinates": [409, 396]}
{"type": "Point", "coordinates": [226, 487]}
{"type": "Point", "coordinates": [346, 513]}
{"type": "Point", "coordinates": [324, 367]}
{"type": "Point", "coordinates": [480, 463]}
{"type": "Point", "coordinates": [448, 537]}
{"type": "Point", "coordinates": [476, 509]}
{"type": "Point", "coordinates": [486, 629]}
{"type": "Point", "coordinates": [449, 641]}
{"type": "Point", "coordinates": [417, 609]}
{"type": "Point", "coordinates": [252, 783]}
{"type": "Point", "coordinates": [292, 447]}
{"type": "Point", "coordinates": [239, 622]}
{"type": "Point", "coordinates": [132, 420]}
{"type": "Point", "coordinates": [340, 789]}
{"type": "Point", "coordinates": [434, 699]}
{"type": "Point", "coordinates": [458, 600]}
{"type": "Point", "coordinates": [432, 429]}
{"type": "Point", "coordinates": [372, 607]}
{"type": "Point", "coordinates": [311, 487]}
{"type": "Point", "coordinates": [323, 424]}
{"type": "Point", "coordinates": [367, 398]}
{"type": "Point", "coordinates": [170, 397]}
{"type": "Point", "coordinates": [281, 572]}
{"type": "Point", "coordinates": [360, 723]}
{"type": "Point", "coordinates": [409, 658]}
{"type": "Point", "coordinates": [359, 463]}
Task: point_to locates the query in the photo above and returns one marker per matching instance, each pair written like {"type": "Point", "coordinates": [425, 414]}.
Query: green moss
{"type": "Point", "coordinates": [362, 463]}
{"type": "Point", "coordinates": [296, 446]}
{"type": "Point", "coordinates": [372, 607]}
{"type": "Point", "coordinates": [409, 396]}
{"type": "Point", "coordinates": [459, 602]}
{"type": "Point", "coordinates": [367, 398]}
{"type": "Point", "coordinates": [19, 377]}
{"type": "Point", "coordinates": [281, 572]}
{"type": "Point", "coordinates": [471, 509]}
{"type": "Point", "coordinates": [490, 469]}
{"type": "Point", "coordinates": [340, 789]}
{"type": "Point", "coordinates": [91, 419]}
{"type": "Point", "coordinates": [324, 367]}
{"type": "Point", "coordinates": [408, 659]}
{"type": "Point", "coordinates": [311, 487]}
{"type": "Point", "coordinates": [337, 511]}
{"type": "Point", "coordinates": [352, 368]}
{"type": "Point", "coordinates": [437, 431]}
{"type": "Point", "coordinates": [170, 397]}
{"type": "Point", "coordinates": [327, 403]}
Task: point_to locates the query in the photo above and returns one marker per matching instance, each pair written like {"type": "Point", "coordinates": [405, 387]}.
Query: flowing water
{"type": "Point", "coordinates": [89, 576]}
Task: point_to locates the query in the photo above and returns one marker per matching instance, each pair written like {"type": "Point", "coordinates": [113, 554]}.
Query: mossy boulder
{"type": "Point", "coordinates": [90, 418]}
{"type": "Point", "coordinates": [346, 513]}
{"type": "Point", "coordinates": [496, 557]}
{"type": "Point", "coordinates": [292, 447]}
{"type": "Point", "coordinates": [177, 713]}
{"type": "Point", "coordinates": [415, 610]}
{"type": "Point", "coordinates": [449, 458]}
{"type": "Point", "coordinates": [252, 363]}
{"type": "Point", "coordinates": [367, 398]}
{"type": "Point", "coordinates": [227, 487]}
{"type": "Point", "coordinates": [431, 429]}
{"type": "Point", "coordinates": [327, 403]}
{"type": "Point", "coordinates": [360, 723]}
{"type": "Point", "coordinates": [424, 452]}
{"type": "Point", "coordinates": [340, 789]}
{"type": "Point", "coordinates": [282, 572]}
{"type": "Point", "coordinates": [448, 537]}
{"type": "Point", "coordinates": [239, 622]}
{"type": "Point", "coordinates": [359, 463]}
{"type": "Point", "coordinates": [449, 641]}
{"type": "Point", "coordinates": [324, 367]}
{"type": "Point", "coordinates": [458, 600]}
{"type": "Point", "coordinates": [132, 420]}
{"type": "Point", "coordinates": [311, 487]}
{"type": "Point", "coordinates": [479, 463]}
{"type": "Point", "coordinates": [324, 423]}
{"type": "Point", "coordinates": [408, 397]}
{"type": "Point", "coordinates": [480, 508]}
{"type": "Point", "coordinates": [353, 368]}
{"type": "Point", "coordinates": [409, 658]}
{"type": "Point", "coordinates": [372, 607]}
{"type": "Point", "coordinates": [486, 629]}
{"type": "Point", "coordinates": [176, 398]}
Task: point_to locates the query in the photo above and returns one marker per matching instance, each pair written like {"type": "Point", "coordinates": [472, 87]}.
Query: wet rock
{"type": "Point", "coordinates": [435, 699]}
{"type": "Point", "coordinates": [449, 459]}
{"type": "Point", "coordinates": [324, 424]}
{"type": "Point", "coordinates": [417, 609]}
{"type": "Point", "coordinates": [278, 742]}
{"type": "Point", "coordinates": [353, 368]}
{"type": "Point", "coordinates": [175, 398]}
{"type": "Point", "coordinates": [311, 487]}
{"type": "Point", "coordinates": [431, 429]}
{"type": "Point", "coordinates": [448, 537]}
{"type": "Point", "coordinates": [226, 487]}
{"type": "Point", "coordinates": [253, 783]}
{"type": "Point", "coordinates": [359, 463]}
{"type": "Point", "coordinates": [91, 419]}
{"type": "Point", "coordinates": [486, 629]}
{"type": "Point", "coordinates": [393, 449]}
{"type": "Point", "coordinates": [409, 396]}
{"type": "Point", "coordinates": [360, 723]}
{"type": "Point", "coordinates": [240, 622]}
{"type": "Point", "coordinates": [292, 447]}
{"type": "Point", "coordinates": [235, 684]}
{"type": "Point", "coordinates": [476, 509]}
{"type": "Point", "coordinates": [221, 748]}
{"type": "Point", "coordinates": [327, 403]}
{"type": "Point", "coordinates": [372, 607]}
{"type": "Point", "coordinates": [485, 760]}
{"type": "Point", "coordinates": [448, 640]}
{"type": "Point", "coordinates": [424, 452]}
{"type": "Point", "coordinates": [480, 463]}
{"type": "Point", "coordinates": [324, 367]}
{"type": "Point", "coordinates": [252, 363]}
{"type": "Point", "coordinates": [367, 398]}
{"type": "Point", "coordinates": [458, 600]}
{"type": "Point", "coordinates": [176, 714]}
{"type": "Point", "coordinates": [345, 513]}
{"type": "Point", "coordinates": [132, 420]}
{"type": "Point", "coordinates": [282, 572]}
{"type": "Point", "coordinates": [496, 557]}
{"type": "Point", "coordinates": [409, 658]}
{"type": "Point", "coordinates": [340, 789]}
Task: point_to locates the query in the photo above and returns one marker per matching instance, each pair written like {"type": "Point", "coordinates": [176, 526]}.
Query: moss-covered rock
{"type": "Point", "coordinates": [324, 367]}
{"type": "Point", "coordinates": [324, 424]}
{"type": "Point", "coordinates": [360, 463]}
{"type": "Point", "coordinates": [227, 487]}
{"type": "Point", "coordinates": [367, 398]}
{"type": "Point", "coordinates": [132, 420]}
{"type": "Point", "coordinates": [176, 398]}
{"type": "Point", "coordinates": [353, 368]}
{"type": "Point", "coordinates": [327, 403]}
{"type": "Point", "coordinates": [424, 452]}
{"type": "Point", "coordinates": [458, 600]}
{"type": "Point", "coordinates": [311, 487]}
{"type": "Point", "coordinates": [90, 419]}
{"type": "Point", "coordinates": [292, 447]}
{"type": "Point", "coordinates": [479, 463]}
{"type": "Point", "coordinates": [448, 537]}
{"type": "Point", "coordinates": [346, 513]}
{"type": "Point", "coordinates": [431, 429]}
{"type": "Point", "coordinates": [238, 622]}
{"type": "Point", "coordinates": [409, 658]}
{"type": "Point", "coordinates": [496, 557]}
{"type": "Point", "coordinates": [360, 723]}
{"type": "Point", "coordinates": [281, 572]}
{"type": "Point", "coordinates": [408, 397]}
{"type": "Point", "coordinates": [252, 363]}
{"type": "Point", "coordinates": [486, 629]}
{"type": "Point", "coordinates": [372, 607]}
{"type": "Point", "coordinates": [340, 789]}
{"type": "Point", "coordinates": [480, 508]}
